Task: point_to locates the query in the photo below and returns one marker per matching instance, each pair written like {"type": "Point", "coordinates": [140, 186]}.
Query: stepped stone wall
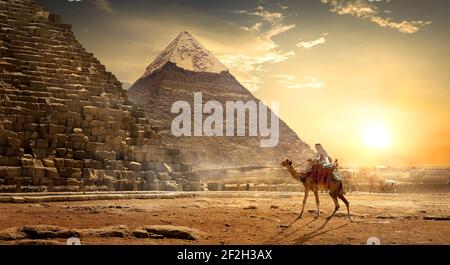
{"type": "Point", "coordinates": [66, 124]}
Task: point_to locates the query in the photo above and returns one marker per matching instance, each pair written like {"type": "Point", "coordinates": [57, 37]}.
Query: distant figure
{"type": "Point", "coordinates": [247, 187]}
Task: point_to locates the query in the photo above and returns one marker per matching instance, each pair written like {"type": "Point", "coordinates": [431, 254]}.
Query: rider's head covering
{"type": "Point", "coordinates": [322, 155]}
{"type": "Point", "coordinates": [320, 149]}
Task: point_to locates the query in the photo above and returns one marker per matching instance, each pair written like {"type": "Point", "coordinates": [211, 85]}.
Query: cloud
{"type": "Point", "coordinates": [256, 27]}
{"type": "Point", "coordinates": [284, 7]}
{"type": "Point", "coordinates": [271, 17]}
{"type": "Point", "coordinates": [311, 44]}
{"type": "Point", "coordinates": [252, 83]}
{"type": "Point", "coordinates": [404, 26]}
{"type": "Point", "coordinates": [104, 5]}
{"type": "Point", "coordinates": [249, 63]}
{"type": "Point", "coordinates": [277, 30]}
{"type": "Point", "coordinates": [268, 25]}
{"type": "Point", "coordinates": [275, 27]}
{"type": "Point", "coordinates": [367, 11]}
{"type": "Point", "coordinates": [293, 82]}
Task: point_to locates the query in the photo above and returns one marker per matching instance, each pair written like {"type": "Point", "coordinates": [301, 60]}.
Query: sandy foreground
{"type": "Point", "coordinates": [256, 218]}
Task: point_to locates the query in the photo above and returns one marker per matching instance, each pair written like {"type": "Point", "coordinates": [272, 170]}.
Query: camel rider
{"type": "Point", "coordinates": [326, 161]}
{"type": "Point", "coordinates": [323, 157]}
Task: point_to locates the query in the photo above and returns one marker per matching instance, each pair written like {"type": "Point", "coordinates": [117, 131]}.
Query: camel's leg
{"type": "Point", "coordinates": [304, 202]}
{"type": "Point", "coordinates": [346, 204]}
{"type": "Point", "coordinates": [316, 194]}
{"type": "Point", "coordinates": [336, 205]}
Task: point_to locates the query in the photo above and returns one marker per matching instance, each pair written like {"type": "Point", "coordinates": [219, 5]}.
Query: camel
{"type": "Point", "coordinates": [335, 186]}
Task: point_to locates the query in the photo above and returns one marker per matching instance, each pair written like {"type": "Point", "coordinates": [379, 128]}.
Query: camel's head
{"type": "Point", "coordinates": [286, 163]}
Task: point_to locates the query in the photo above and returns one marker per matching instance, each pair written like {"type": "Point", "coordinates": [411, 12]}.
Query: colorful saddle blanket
{"type": "Point", "coordinates": [323, 175]}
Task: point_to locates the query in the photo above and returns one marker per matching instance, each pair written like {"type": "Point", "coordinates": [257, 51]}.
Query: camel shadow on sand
{"type": "Point", "coordinates": [303, 239]}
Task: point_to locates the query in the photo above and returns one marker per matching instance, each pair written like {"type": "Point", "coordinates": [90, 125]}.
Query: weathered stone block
{"type": "Point", "coordinates": [51, 172]}
{"type": "Point", "coordinates": [98, 131]}
{"type": "Point", "coordinates": [135, 166]}
{"type": "Point", "coordinates": [78, 164]}
{"type": "Point", "coordinates": [163, 176]}
{"type": "Point", "coordinates": [79, 145]}
{"type": "Point", "coordinates": [186, 167]}
{"type": "Point", "coordinates": [31, 127]}
{"type": "Point", "coordinates": [139, 157]}
{"type": "Point", "coordinates": [59, 162]}
{"type": "Point", "coordinates": [91, 110]}
{"type": "Point", "coordinates": [77, 130]}
{"type": "Point", "coordinates": [87, 173]}
{"type": "Point", "coordinates": [43, 129]}
{"type": "Point", "coordinates": [175, 175]}
{"type": "Point", "coordinates": [148, 157]}
{"type": "Point", "coordinates": [53, 144]}
{"type": "Point", "coordinates": [163, 167]}
{"type": "Point", "coordinates": [174, 152]}
{"type": "Point", "coordinates": [58, 129]}
{"type": "Point", "coordinates": [97, 123]}
{"type": "Point", "coordinates": [171, 186]}
{"type": "Point", "coordinates": [72, 182]}
{"type": "Point", "coordinates": [110, 155]}
{"type": "Point", "coordinates": [9, 161]}
{"type": "Point", "coordinates": [150, 176]}
{"type": "Point", "coordinates": [69, 162]}
{"type": "Point", "coordinates": [39, 172]}
{"type": "Point", "coordinates": [152, 186]}
{"type": "Point", "coordinates": [196, 186]}
{"type": "Point", "coordinates": [48, 162]}
{"type": "Point", "coordinates": [41, 143]}
{"type": "Point", "coordinates": [30, 162]}
{"type": "Point", "coordinates": [79, 154]}
{"type": "Point", "coordinates": [12, 151]}
{"type": "Point", "coordinates": [94, 147]}
{"type": "Point", "coordinates": [14, 142]}
{"type": "Point", "coordinates": [39, 153]}
{"type": "Point", "coordinates": [77, 172]}
{"type": "Point", "coordinates": [74, 137]}
{"type": "Point", "coordinates": [193, 177]}
{"type": "Point", "coordinates": [88, 163]}
{"type": "Point", "coordinates": [69, 153]}
{"type": "Point", "coordinates": [3, 172]}
{"type": "Point", "coordinates": [214, 186]}
{"type": "Point", "coordinates": [61, 140]}
{"type": "Point", "coordinates": [61, 152]}
{"type": "Point", "coordinates": [10, 172]}
{"type": "Point", "coordinates": [178, 167]}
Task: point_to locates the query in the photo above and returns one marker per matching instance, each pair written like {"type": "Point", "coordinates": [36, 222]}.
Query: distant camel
{"type": "Point", "coordinates": [334, 186]}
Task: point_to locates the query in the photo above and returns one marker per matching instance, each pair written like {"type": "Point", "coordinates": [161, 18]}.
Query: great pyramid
{"type": "Point", "coordinates": [186, 67]}
{"type": "Point", "coordinates": [66, 124]}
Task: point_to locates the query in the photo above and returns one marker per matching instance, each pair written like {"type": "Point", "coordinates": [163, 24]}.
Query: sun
{"type": "Point", "coordinates": [377, 135]}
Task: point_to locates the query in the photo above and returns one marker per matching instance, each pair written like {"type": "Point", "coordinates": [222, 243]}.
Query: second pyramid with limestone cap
{"type": "Point", "coordinates": [184, 68]}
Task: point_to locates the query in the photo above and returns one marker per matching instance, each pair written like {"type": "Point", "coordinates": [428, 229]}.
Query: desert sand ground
{"type": "Point", "coordinates": [259, 218]}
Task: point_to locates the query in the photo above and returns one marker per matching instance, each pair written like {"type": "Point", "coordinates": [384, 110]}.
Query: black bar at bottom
{"type": "Point", "coordinates": [223, 254]}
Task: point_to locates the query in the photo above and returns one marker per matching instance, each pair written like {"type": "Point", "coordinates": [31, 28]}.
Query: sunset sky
{"type": "Point", "coordinates": [368, 80]}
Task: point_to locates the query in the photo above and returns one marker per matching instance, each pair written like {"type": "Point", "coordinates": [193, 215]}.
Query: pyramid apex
{"type": "Point", "coordinates": [187, 53]}
{"type": "Point", "coordinates": [184, 34]}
